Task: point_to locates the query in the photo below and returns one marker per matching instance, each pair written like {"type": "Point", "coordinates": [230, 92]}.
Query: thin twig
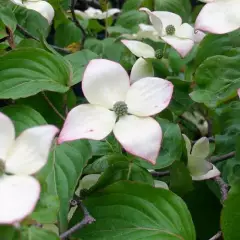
{"type": "Point", "coordinates": [210, 139]}
{"type": "Point", "coordinates": [160, 174]}
{"type": "Point", "coordinates": [224, 193]}
{"type": "Point", "coordinates": [29, 35]}
{"type": "Point", "coordinates": [216, 236]}
{"type": "Point", "coordinates": [88, 219]}
{"type": "Point", "coordinates": [222, 157]}
{"type": "Point", "coordinates": [75, 20]}
{"type": "Point", "coordinates": [223, 187]}
{"type": "Point", "coordinates": [53, 107]}
{"type": "Point", "coordinates": [10, 38]}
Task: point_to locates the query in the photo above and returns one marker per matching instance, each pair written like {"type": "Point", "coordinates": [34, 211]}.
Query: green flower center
{"type": "Point", "coordinates": [170, 30]}
{"type": "Point", "coordinates": [120, 108]}
{"type": "Point", "coordinates": [2, 167]}
{"type": "Point", "coordinates": [159, 54]}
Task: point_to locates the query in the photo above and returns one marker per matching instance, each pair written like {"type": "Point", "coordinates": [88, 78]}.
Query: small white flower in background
{"type": "Point", "coordinates": [238, 91]}
{"type": "Point", "coordinates": [199, 168]}
{"type": "Point", "coordinates": [172, 31]}
{"type": "Point", "coordinates": [141, 67]}
{"type": "Point", "coordinates": [20, 158]}
{"type": "Point", "coordinates": [145, 32]}
{"type": "Point", "coordinates": [160, 184]}
{"type": "Point", "coordinates": [219, 16]}
{"type": "Point", "coordinates": [42, 7]}
{"type": "Point", "coordinates": [107, 88]}
{"type": "Point", "coordinates": [92, 13]}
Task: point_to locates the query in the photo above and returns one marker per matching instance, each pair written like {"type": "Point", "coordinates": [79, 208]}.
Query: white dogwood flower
{"type": "Point", "coordinates": [141, 67]}
{"type": "Point", "coordinates": [92, 13]}
{"type": "Point", "coordinates": [172, 31]}
{"type": "Point", "coordinates": [43, 7]}
{"type": "Point", "coordinates": [20, 158]}
{"type": "Point", "coordinates": [219, 16]}
{"type": "Point", "coordinates": [199, 168]}
{"type": "Point", "coordinates": [116, 106]}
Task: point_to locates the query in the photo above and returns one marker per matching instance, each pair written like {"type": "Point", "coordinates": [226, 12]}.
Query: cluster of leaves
{"type": "Point", "coordinates": [41, 68]}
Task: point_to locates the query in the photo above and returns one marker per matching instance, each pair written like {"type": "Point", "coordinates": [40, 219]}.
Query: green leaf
{"type": "Point", "coordinates": [213, 45]}
{"type": "Point", "coordinates": [7, 18]}
{"type": "Point", "coordinates": [8, 232]}
{"type": "Point", "coordinates": [130, 20]}
{"type": "Point", "coordinates": [47, 209]}
{"type": "Point", "coordinates": [122, 169]}
{"type": "Point", "coordinates": [205, 209]}
{"type": "Point", "coordinates": [127, 210]}
{"type": "Point", "coordinates": [171, 149]}
{"type": "Point", "coordinates": [102, 163]}
{"type": "Point", "coordinates": [180, 7]}
{"type": "Point", "coordinates": [180, 179]}
{"type": "Point", "coordinates": [24, 74]}
{"type": "Point", "coordinates": [67, 34]}
{"type": "Point", "coordinates": [23, 117]}
{"type": "Point", "coordinates": [181, 101]}
{"type": "Point", "coordinates": [231, 214]}
{"type": "Point", "coordinates": [62, 174]}
{"type": "Point", "coordinates": [41, 103]}
{"type": "Point", "coordinates": [79, 60]}
{"type": "Point", "coordinates": [34, 233]}
{"type": "Point", "coordinates": [32, 21]}
{"type": "Point", "coordinates": [218, 79]}
{"type": "Point", "coordinates": [136, 4]}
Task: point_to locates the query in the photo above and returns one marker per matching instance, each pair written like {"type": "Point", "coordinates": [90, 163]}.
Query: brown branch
{"type": "Point", "coordinates": [29, 35]}
{"type": "Point", "coordinates": [53, 107]}
{"type": "Point", "coordinates": [222, 157]}
{"type": "Point", "coordinates": [10, 38]}
{"type": "Point", "coordinates": [160, 174]}
{"type": "Point", "coordinates": [88, 219]}
{"type": "Point", "coordinates": [75, 20]}
{"type": "Point", "coordinates": [224, 193]}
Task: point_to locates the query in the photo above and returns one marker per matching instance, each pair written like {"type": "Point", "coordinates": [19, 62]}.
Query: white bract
{"type": "Point", "coordinates": [107, 88]}
{"type": "Point", "coordinates": [219, 16]}
{"type": "Point", "coordinates": [199, 36]}
{"type": "Point", "coordinates": [141, 67]}
{"type": "Point", "coordinates": [92, 13]}
{"type": "Point", "coordinates": [20, 158]}
{"type": "Point", "coordinates": [172, 31]}
{"type": "Point", "coordinates": [199, 168]}
{"type": "Point", "coordinates": [43, 7]}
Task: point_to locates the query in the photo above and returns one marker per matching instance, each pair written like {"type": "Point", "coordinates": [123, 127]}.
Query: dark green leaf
{"type": "Point", "coordinates": [79, 60]}
{"type": "Point", "coordinates": [231, 214]}
{"type": "Point", "coordinates": [27, 71]}
{"type": "Point", "coordinates": [127, 210]}
{"type": "Point", "coordinates": [23, 117]}
{"type": "Point", "coordinates": [62, 174]}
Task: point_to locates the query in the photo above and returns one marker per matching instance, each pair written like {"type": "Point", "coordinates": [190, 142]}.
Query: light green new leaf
{"type": "Point", "coordinates": [28, 71]}
{"type": "Point", "coordinates": [127, 210]}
